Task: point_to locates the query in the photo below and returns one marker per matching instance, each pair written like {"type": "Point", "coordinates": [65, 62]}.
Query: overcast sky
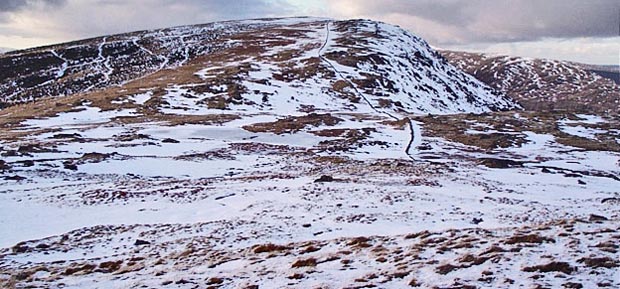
{"type": "Point", "coordinates": [579, 30]}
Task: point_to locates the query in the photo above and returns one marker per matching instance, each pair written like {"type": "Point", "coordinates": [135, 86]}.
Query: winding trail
{"type": "Point", "coordinates": [415, 132]}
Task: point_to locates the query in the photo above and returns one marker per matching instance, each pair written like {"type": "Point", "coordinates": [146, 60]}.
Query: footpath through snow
{"type": "Point", "coordinates": [414, 129]}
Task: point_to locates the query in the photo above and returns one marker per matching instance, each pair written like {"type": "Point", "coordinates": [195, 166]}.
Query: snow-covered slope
{"type": "Point", "coordinates": [542, 83]}
{"type": "Point", "coordinates": [397, 70]}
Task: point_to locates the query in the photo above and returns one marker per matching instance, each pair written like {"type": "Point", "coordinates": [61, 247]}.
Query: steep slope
{"type": "Point", "coordinates": [541, 83]}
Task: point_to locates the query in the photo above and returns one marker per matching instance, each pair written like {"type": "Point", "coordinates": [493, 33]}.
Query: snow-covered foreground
{"type": "Point", "coordinates": [95, 195]}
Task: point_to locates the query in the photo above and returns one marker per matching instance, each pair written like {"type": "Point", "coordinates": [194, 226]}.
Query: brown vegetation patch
{"type": "Point", "coordinates": [360, 242]}
{"type": "Point", "coordinates": [86, 268]}
{"type": "Point", "coordinates": [530, 239]}
{"type": "Point", "coordinates": [552, 267]}
{"type": "Point", "coordinates": [446, 268]}
{"type": "Point", "coordinates": [110, 266]}
{"type": "Point", "coordinates": [293, 124]}
{"type": "Point", "coordinates": [506, 129]}
{"type": "Point", "coordinates": [268, 248]}
{"type": "Point", "coordinates": [600, 262]}
{"type": "Point", "coordinates": [310, 262]}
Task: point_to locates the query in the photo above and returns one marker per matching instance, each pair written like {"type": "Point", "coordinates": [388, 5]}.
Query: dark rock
{"type": "Point", "coordinates": [170, 140]}
{"type": "Point", "coordinates": [572, 175]}
{"type": "Point", "coordinates": [20, 248]}
{"type": "Point", "coordinates": [572, 285]}
{"type": "Point", "coordinates": [10, 154]}
{"type": "Point", "coordinates": [610, 200]}
{"type": "Point", "coordinates": [70, 166]}
{"type": "Point", "coordinates": [597, 218]}
{"type": "Point", "coordinates": [324, 179]}
{"type": "Point", "coordinates": [546, 171]}
{"type": "Point", "coordinates": [141, 242]}
{"type": "Point", "coordinates": [4, 166]}
{"type": "Point", "coordinates": [42, 246]}
{"type": "Point", "coordinates": [14, 178]}
{"type": "Point", "coordinates": [581, 182]}
{"type": "Point", "coordinates": [500, 163]}
{"type": "Point", "coordinates": [424, 148]}
{"type": "Point", "coordinates": [477, 221]}
{"type": "Point", "coordinates": [67, 135]}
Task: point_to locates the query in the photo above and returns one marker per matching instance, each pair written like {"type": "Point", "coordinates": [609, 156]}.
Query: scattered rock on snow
{"type": "Point", "coordinates": [597, 218]}
{"type": "Point", "coordinates": [170, 140]}
{"type": "Point", "coordinates": [141, 242]}
{"type": "Point", "coordinates": [500, 163]}
{"type": "Point", "coordinates": [14, 178]}
{"type": "Point", "coordinates": [324, 179]}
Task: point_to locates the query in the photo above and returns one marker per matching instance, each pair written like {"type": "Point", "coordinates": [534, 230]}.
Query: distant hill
{"type": "Point", "coordinates": [543, 83]}
{"type": "Point", "coordinates": [607, 71]}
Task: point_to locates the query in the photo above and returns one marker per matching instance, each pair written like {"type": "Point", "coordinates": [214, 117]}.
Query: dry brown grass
{"type": "Point", "coordinates": [294, 123]}
{"type": "Point", "coordinates": [510, 129]}
{"type": "Point", "coordinates": [551, 267]}
{"type": "Point", "coordinates": [530, 239]}
{"type": "Point", "coordinates": [310, 262]}
{"type": "Point", "coordinates": [269, 248]}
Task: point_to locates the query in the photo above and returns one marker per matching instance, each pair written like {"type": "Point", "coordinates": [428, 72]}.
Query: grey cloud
{"type": "Point", "coordinates": [165, 13]}
{"type": "Point", "coordinates": [16, 5]}
{"type": "Point", "coordinates": [502, 20]}
{"type": "Point", "coordinates": [441, 22]}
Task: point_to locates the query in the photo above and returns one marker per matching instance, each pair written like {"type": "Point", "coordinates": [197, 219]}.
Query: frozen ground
{"type": "Point", "coordinates": [85, 193]}
{"type": "Point", "coordinates": [233, 175]}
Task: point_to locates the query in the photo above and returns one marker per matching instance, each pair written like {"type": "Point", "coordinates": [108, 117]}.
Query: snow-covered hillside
{"type": "Point", "coordinates": [293, 153]}
{"type": "Point", "coordinates": [390, 66]}
{"type": "Point", "coordinates": [542, 83]}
